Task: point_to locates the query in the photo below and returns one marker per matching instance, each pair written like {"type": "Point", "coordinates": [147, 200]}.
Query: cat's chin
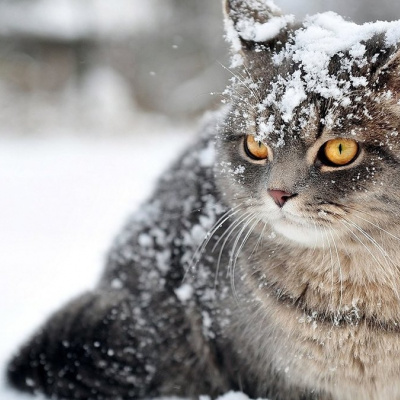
{"type": "Point", "coordinates": [308, 236]}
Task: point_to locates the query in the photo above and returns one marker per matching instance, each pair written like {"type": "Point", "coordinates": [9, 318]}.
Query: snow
{"type": "Point", "coordinates": [62, 202]}
{"type": "Point", "coordinates": [312, 47]}
{"type": "Point", "coordinates": [233, 396]}
{"type": "Point", "coordinates": [247, 28]}
{"type": "Point", "coordinates": [257, 32]}
{"type": "Point", "coordinates": [207, 156]}
{"type": "Point", "coordinates": [184, 292]}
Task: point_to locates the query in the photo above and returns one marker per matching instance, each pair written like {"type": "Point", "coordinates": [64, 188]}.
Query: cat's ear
{"type": "Point", "coordinates": [251, 24]}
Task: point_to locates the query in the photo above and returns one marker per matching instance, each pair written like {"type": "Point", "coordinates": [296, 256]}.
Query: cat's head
{"type": "Point", "coordinates": [310, 143]}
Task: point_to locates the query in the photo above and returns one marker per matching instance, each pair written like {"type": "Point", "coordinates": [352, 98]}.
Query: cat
{"type": "Point", "coordinates": [267, 259]}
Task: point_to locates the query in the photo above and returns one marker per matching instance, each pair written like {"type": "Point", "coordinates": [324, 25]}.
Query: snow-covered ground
{"type": "Point", "coordinates": [62, 200]}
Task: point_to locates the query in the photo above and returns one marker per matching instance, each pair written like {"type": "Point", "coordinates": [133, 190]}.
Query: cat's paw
{"type": "Point", "coordinates": [87, 350]}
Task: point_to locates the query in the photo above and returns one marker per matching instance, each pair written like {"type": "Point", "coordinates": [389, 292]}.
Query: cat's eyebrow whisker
{"type": "Point", "coordinates": [240, 79]}
{"type": "Point", "coordinates": [239, 96]}
{"type": "Point", "coordinates": [251, 77]}
{"type": "Point", "coordinates": [235, 94]}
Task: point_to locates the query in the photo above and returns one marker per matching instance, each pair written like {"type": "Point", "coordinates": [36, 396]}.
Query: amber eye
{"type": "Point", "coordinates": [255, 149]}
{"type": "Point", "coordinates": [338, 152]}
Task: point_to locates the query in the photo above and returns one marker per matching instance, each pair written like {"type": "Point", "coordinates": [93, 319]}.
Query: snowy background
{"type": "Point", "coordinates": [95, 101]}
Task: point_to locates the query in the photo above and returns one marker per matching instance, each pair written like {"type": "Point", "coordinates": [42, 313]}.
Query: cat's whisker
{"type": "Point", "coordinates": [230, 213]}
{"type": "Point", "coordinates": [316, 235]}
{"type": "Point", "coordinates": [200, 249]}
{"type": "Point", "coordinates": [233, 267]}
{"type": "Point", "coordinates": [331, 302]}
{"type": "Point", "coordinates": [228, 231]}
{"type": "Point", "coordinates": [244, 240]}
{"type": "Point", "coordinates": [340, 271]}
{"type": "Point", "coordinates": [234, 254]}
{"type": "Point", "coordinates": [388, 261]}
{"type": "Point", "coordinates": [385, 255]}
{"type": "Point", "coordinates": [259, 240]}
{"type": "Point", "coordinates": [227, 235]}
{"type": "Point", "coordinates": [371, 223]}
{"type": "Point", "coordinates": [247, 222]}
{"type": "Point", "coordinates": [343, 244]}
{"type": "Point", "coordinates": [389, 279]}
{"type": "Point", "coordinates": [369, 237]}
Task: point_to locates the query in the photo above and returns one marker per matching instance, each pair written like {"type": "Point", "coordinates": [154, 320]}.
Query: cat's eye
{"type": "Point", "coordinates": [255, 149]}
{"type": "Point", "coordinates": [339, 152]}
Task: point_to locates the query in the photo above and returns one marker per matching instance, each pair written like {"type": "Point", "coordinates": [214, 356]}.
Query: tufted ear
{"type": "Point", "coordinates": [255, 22]}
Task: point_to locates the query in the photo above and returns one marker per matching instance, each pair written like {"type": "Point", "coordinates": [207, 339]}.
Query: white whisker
{"type": "Point", "coordinates": [375, 225]}
{"type": "Point", "coordinates": [332, 268]}
{"type": "Point", "coordinates": [259, 240]}
{"type": "Point", "coordinates": [340, 271]}
{"type": "Point", "coordinates": [346, 225]}
{"type": "Point", "coordinates": [247, 221]}
{"type": "Point", "coordinates": [228, 233]}
{"type": "Point", "coordinates": [241, 80]}
{"type": "Point", "coordinates": [234, 257]}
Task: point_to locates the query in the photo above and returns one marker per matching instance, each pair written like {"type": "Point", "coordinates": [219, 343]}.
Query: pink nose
{"type": "Point", "coordinates": [280, 197]}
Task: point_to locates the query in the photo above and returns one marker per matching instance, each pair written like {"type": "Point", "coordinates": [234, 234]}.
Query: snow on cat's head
{"type": "Point", "coordinates": [313, 121]}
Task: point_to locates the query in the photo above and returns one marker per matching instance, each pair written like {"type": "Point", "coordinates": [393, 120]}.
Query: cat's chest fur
{"type": "Point", "coordinates": [317, 326]}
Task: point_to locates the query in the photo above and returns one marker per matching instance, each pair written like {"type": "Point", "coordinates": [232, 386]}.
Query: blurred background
{"type": "Point", "coordinates": [96, 67]}
{"type": "Point", "coordinates": [96, 98]}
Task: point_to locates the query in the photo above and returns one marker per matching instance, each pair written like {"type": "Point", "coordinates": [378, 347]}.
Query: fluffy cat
{"type": "Point", "coordinates": [267, 260]}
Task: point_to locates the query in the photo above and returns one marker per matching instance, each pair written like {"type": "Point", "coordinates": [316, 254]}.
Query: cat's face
{"type": "Point", "coordinates": [310, 144]}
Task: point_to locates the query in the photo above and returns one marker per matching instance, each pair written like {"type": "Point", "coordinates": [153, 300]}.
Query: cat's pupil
{"type": "Point", "coordinates": [340, 148]}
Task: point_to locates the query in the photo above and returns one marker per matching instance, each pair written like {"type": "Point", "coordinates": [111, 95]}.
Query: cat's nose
{"type": "Point", "coordinates": [280, 197]}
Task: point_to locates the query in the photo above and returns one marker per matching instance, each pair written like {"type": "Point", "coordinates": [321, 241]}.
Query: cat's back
{"type": "Point", "coordinates": [160, 242]}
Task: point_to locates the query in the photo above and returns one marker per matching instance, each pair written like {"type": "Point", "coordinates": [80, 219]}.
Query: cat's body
{"type": "Point", "coordinates": [294, 294]}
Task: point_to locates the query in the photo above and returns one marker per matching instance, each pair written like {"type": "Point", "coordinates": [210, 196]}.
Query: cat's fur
{"type": "Point", "coordinates": [298, 302]}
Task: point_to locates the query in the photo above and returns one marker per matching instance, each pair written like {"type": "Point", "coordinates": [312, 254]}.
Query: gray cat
{"type": "Point", "coordinates": [267, 260]}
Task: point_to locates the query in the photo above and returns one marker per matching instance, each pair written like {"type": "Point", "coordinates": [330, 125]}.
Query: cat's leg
{"type": "Point", "coordinates": [94, 348]}
{"type": "Point", "coordinates": [107, 345]}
